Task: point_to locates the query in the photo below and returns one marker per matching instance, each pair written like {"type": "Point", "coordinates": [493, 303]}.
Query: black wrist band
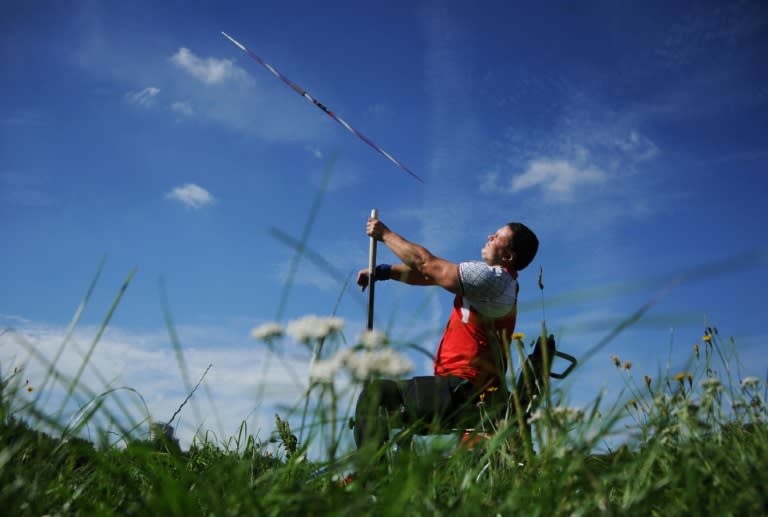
{"type": "Point", "coordinates": [383, 272]}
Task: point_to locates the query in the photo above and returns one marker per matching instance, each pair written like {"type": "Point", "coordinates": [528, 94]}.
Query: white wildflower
{"type": "Point", "coordinates": [563, 414]}
{"type": "Point", "coordinates": [536, 416]}
{"type": "Point", "coordinates": [748, 382]}
{"type": "Point", "coordinates": [267, 331]}
{"type": "Point", "coordinates": [325, 370]}
{"type": "Point", "coordinates": [385, 362]}
{"type": "Point", "coordinates": [570, 414]}
{"type": "Point", "coordinates": [711, 384]}
{"type": "Point", "coordinates": [372, 339]}
{"type": "Point", "coordinates": [314, 327]}
{"type": "Point", "coordinates": [687, 408]}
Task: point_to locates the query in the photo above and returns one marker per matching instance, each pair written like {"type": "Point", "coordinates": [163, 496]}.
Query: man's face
{"type": "Point", "coordinates": [496, 252]}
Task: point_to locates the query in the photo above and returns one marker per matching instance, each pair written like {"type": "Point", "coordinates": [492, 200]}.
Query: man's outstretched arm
{"type": "Point", "coordinates": [399, 272]}
{"type": "Point", "coordinates": [419, 267]}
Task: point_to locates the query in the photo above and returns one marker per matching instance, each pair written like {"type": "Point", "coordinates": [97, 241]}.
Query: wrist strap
{"type": "Point", "coordinates": [382, 272]}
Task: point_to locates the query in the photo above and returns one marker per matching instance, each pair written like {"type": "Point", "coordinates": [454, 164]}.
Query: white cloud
{"type": "Point", "coordinates": [145, 97]}
{"type": "Point", "coordinates": [184, 108]}
{"type": "Point", "coordinates": [191, 195]}
{"type": "Point", "coordinates": [558, 178]}
{"type": "Point", "coordinates": [489, 181]}
{"type": "Point", "coordinates": [209, 70]}
{"type": "Point", "coordinates": [146, 362]}
{"type": "Point", "coordinates": [316, 152]}
{"type": "Point", "coordinates": [638, 147]}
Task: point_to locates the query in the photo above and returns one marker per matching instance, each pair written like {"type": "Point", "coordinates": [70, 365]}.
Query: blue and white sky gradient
{"type": "Point", "coordinates": [630, 137]}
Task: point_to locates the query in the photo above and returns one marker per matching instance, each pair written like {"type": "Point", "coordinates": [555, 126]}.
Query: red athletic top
{"type": "Point", "coordinates": [480, 326]}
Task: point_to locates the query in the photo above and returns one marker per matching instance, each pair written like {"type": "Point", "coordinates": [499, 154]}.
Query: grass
{"type": "Point", "coordinates": [696, 444]}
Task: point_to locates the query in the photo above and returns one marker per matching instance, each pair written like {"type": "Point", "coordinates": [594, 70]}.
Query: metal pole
{"type": "Point", "coordinates": [371, 273]}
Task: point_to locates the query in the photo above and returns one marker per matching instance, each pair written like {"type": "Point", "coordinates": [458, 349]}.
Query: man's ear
{"type": "Point", "coordinates": [509, 256]}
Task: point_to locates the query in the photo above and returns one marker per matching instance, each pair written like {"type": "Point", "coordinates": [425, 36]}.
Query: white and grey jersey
{"type": "Point", "coordinates": [490, 290]}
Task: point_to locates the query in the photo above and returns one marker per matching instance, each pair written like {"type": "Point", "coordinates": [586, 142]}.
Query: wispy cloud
{"type": "Point", "coordinates": [454, 131]}
{"type": "Point", "coordinates": [144, 98]}
{"type": "Point", "coordinates": [558, 178]}
{"type": "Point", "coordinates": [314, 151]}
{"type": "Point", "coordinates": [215, 88]}
{"type": "Point", "coordinates": [594, 162]}
{"type": "Point", "coordinates": [191, 195]}
{"type": "Point", "coordinates": [146, 362]}
{"type": "Point", "coordinates": [208, 70]}
{"type": "Point", "coordinates": [183, 108]}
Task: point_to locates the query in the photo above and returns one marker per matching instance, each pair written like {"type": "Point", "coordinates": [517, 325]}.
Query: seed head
{"type": "Point", "coordinates": [373, 339]}
{"type": "Point", "coordinates": [314, 327]}
{"type": "Point", "coordinates": [267, 331]}
{"type": "Point", "coordinates": [747, 382]}
{"type": "Point", "coordinates": [711, 384]}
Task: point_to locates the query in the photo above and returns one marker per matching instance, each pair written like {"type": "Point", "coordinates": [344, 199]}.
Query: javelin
{"type": "Point", "coordinates": [298, 89]}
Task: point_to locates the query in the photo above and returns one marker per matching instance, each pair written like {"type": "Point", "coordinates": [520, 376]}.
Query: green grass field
{"type": "Point", "coordinates": [695, 444]}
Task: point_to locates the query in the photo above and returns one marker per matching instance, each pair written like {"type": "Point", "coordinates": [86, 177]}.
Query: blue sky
{"type": "Point", "coordinates": [631, 138]}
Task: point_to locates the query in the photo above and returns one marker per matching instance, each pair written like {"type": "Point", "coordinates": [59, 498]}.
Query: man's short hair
{"type": "Point", "coordinates": [524, 244]}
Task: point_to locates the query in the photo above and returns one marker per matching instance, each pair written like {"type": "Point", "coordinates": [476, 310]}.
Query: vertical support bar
{"type": "Point", "coordinates": [371, 274]}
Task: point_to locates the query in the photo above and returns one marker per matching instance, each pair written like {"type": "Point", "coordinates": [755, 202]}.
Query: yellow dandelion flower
{"type": "Point", "coordinates": [707, 338]}
{"type": "Point", "coordinates": [679, 377]}
{"type": "Point", "coordinates": [30, 389]}
{"type": "Point", "coordinates": [487, 391]}
{"type": "Point", "coordinates": [518, 336]}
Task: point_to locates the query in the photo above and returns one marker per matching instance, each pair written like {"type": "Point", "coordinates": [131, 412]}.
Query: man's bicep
{"type": "Point", "coordinates": [443, 273]}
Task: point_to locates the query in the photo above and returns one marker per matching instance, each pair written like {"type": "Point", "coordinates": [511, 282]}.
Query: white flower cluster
{"type": "Point", "coordinates": [565, 414]}
{"type": "Point", "coordinates": [711, 384]}
{"type": "Point", "coordinates": [373, 339]}
{"type": "Point", "coordinates": [748, 382]}
{"type": "Point", "coordinates": [267, 331]}
{"type": "Point", "coordinates": [361, 364]}
{"type": "Point", "coordinates": [385, 361]}
{"type": "Point", "coordinates": [313, 327]}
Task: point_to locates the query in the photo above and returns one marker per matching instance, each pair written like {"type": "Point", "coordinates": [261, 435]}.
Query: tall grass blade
{"type": "Point", "coordinates": [96, 339]}
{"type": "Point", "coordinates": [742, 262]}
{"type": "Point", "coordinates": [68, 335]}
{"type": "Point", "coordinates": [176, 343]}
{"type": "Point", "coordinates": [311, 217]}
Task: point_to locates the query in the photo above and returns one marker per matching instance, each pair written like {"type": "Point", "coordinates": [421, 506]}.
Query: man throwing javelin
{"type": "Point", "coordinates": [470, 359]}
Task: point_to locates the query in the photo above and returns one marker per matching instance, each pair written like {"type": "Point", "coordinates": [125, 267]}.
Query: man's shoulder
{"type": "Point", "coordinates": [478, 278]}
{"type": "Point", "coordinates": [481, 270]}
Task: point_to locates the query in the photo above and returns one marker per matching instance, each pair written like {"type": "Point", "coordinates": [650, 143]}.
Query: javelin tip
{"type": "Point", "coordinates": [237, 43]}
